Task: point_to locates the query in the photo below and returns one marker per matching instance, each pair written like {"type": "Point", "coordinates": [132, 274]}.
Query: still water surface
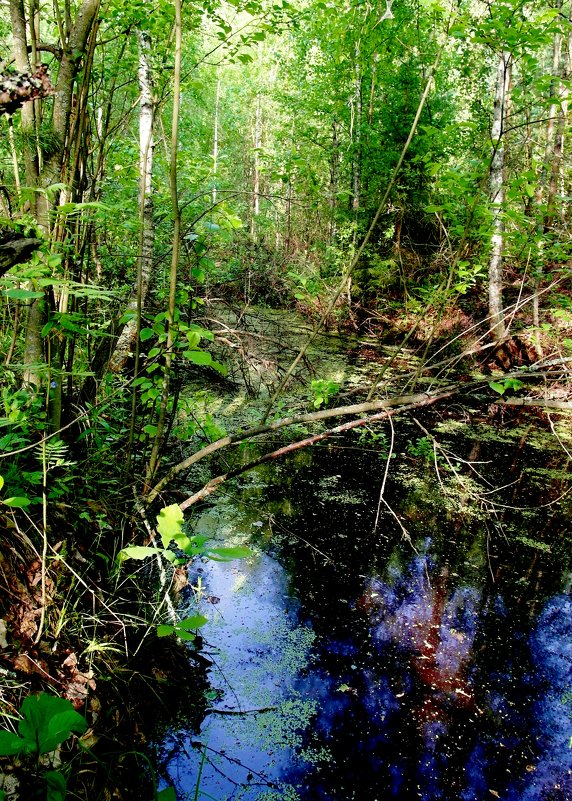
{"type": "Point", "coordinates": [428, 657]}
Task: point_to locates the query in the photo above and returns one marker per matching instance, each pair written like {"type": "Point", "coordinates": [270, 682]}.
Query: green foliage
{"type": "Point", "coordinates": [421, 448]}
{"type": "Point", "coordinates": [183, 629]}
{"type": "Point", "coordinates": [322, 390]}
{"type": "Point", "coordinates": [170, 527]}
{"type": "Point", "coordinates": [168, 794]}
{"type": "Point", "coordinates": [509, 384]}
{"type": "Point", "coordinates": [47, 721]}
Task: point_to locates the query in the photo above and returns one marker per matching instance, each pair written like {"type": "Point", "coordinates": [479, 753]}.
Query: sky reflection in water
{"type": "Point", "coordinates": [420, 683]}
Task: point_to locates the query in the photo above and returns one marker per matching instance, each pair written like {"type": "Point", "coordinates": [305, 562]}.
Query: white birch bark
{"type": "Point", "coordinates": [356, 178]}
{"type": "Point", "coordinates": [257, 146]}
{"type": "Point", "coordinates": [127, 338]}
{"type": "Point", "coordinates": [215, 138]}
{"type": "Point", "coordinates": [497, 197]}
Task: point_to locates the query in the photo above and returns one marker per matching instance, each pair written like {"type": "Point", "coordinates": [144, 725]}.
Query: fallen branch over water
{"type": "Point", "coordinates": [214, 483]}
{"type": "Point", "coordinates": [400, 404]}
{"type": "Point", "coordinates": [542, 403]}
{"type": "Point", "coordinates": [383, 409]}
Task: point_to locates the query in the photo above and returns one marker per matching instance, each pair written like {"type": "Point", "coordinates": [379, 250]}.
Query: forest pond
{"type": "Point", "coordinates": [418, 647]}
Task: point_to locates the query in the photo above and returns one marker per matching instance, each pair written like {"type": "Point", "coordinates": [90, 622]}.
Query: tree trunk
{"type": "Point", "coordinates": [547, 185]}
{"type": "Point", "coordinates": [497, 197]}
{"type": "Point", "coordinates": [215, 138]}
{"type": "Point", "coordinates": [128, 337]}
{"type": "Point", "coordinates": [333, 189]}
{"type": "Point", "coordinates": [356, 164]}
{"type": "Point", "coordinates": [41, 173]}
{"type": "Point", "coordinates": [257, 146]}
{"type": "Point", "coordinates": [162, 418]}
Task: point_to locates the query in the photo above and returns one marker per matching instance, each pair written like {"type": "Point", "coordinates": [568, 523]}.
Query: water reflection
{"type": "Point", "coordinates": [438, 669]}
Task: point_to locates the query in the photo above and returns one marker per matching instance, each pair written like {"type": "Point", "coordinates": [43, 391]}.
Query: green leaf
{"type": "Point", "coordinates": [145, 334]}
{"type": "Point", "coordinates": [11, 744]}
{"type": "Point", "coordinates": [187, 545]}
{"type": "Point", "coordinates": [1, 482]}
{"type": "Point", "coordinates": [169, 523]}
{"type": "Point", "coordinates": [48, 720]}
{"type": "Point", "coordinates": [500, 388]}
{"type": "Point", "coordinates": [228, 554]}
{"type": "Point", "coordinates": [168, 794]}
{"type": "Point", "coordinates": [204, 332]}
{"type": "Point", "coordinates": [199, 357]}
{"type": "Point", "coordinates": [22, 294]}
{"type": "Point", "coordinates": [137, 552]}
{"type": "Point", "coordinates": [185, 635]}
{"type": "Point", "coordinates": [18, 502]}
{"type": "Point", "coordinates": [164, 631]}
{"type": "Point", "coordinates": [55, 786]}
{"type": "Point", "coordinates": [220, 368]}
{"type": "Point", "coordinates": [193, 622]}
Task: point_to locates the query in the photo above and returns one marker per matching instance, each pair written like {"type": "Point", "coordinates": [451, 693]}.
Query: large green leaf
{"type": "Point", "coordinates": [169, 523]}
{"type": "Point", "coordinates": [193, 622]}
{"type": "Point", "coordinates": [22, 294]}
{"type": "Point", "coordinates": [168, 794]}
{"type": "Point", "coordinates": [55, 786]}
{"type": "Point", "coordinates": [199, 357]}
{"type": "Point", "coordinates": [137, 552]}
{"type": "Point", "coordinates": [48, 720]}
{"type": "Point", "coordinates": [18, 502]}
{"type": "Point", "coordinates": [11, 744]}
{"type": "Point", "coordinates": [228, 554]}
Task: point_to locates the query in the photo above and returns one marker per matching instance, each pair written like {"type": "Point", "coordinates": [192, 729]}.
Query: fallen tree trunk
{"type": "Point", "coordinates": [402, 402]}
{"type": "Point", "coordinates": [381, 410]}
{"type": "Point", "coordinates": [214, 483]}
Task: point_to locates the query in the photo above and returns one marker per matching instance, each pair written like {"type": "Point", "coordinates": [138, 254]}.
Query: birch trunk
{"type": "Point", "coordinates": [356, 178]}
{"type": "Point", "coordinates": [173, 185]}
{"type": "Point", "coordinates": [129, 336]}
{"type": "Point", "coordinates": [257, 146]}
{"type": "Point", "coordinates": [497, 197]}
{"type": "Point", "coordinates": [547, 184]}
{"type": "Point", "coordinates": [215, 139]}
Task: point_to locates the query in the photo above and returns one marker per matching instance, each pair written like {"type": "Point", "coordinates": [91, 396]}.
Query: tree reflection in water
{"type": "Point", "coordinates": [455, 697]}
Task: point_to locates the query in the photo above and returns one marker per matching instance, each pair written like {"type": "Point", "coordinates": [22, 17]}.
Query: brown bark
{"type": "Point", "coordinates": [16, 251]}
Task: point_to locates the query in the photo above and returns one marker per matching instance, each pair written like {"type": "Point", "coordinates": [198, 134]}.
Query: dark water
{"type": "Point", "coordinates": [428, 657]}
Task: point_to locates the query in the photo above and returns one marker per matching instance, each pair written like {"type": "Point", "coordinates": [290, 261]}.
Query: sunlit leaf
{"type": "Point", "coordinates": [18, 502]}
{"type": "Point", "coordinates": [169, 523]}
{"type": "Point", "coordinates": [137, 552]}
{"type": "Point", "coordinates": [193, 622]}
{"type": "Point", "coordinates": [228, 554]}
{"type": "Point", "coordinates": [22, 294]}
